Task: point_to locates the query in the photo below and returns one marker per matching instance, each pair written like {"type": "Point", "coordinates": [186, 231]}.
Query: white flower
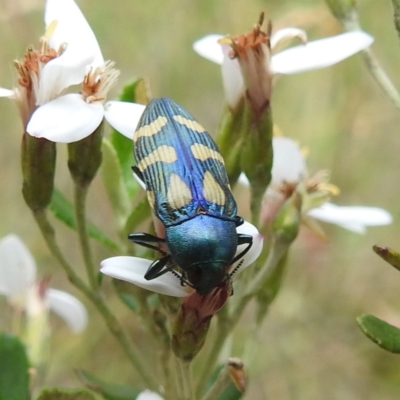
{"type": "Point", "coordinates": [249, 65]}
{"type": "Point", "coordinates": [132, 269]}
{"type": "Point", "coordinates": [289, 169]}
{"type": "Point", "coordinates": [148, 395]}
{"type": "Point", "coordinates": [69, 55]}
{"type": "Point", "coordinates": [353, 218]}
{"type": "Point", "coordinates": [18, 283]}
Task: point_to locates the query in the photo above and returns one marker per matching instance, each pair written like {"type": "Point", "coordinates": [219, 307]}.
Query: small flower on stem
{"type": "Point", "coordinates": [289, 174]}
{"type": "Point", "coordinates": [32, 299]}
{"type": "Point", "coordinates": [250, 62]}
{"type": "Point", "coordinates": [69, 55]}
{"type": "Point", "coordinates": [19, 284]}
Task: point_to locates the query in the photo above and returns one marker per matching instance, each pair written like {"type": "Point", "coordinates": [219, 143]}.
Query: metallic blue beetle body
{"type": "Point", "coordinates": [188, 190]}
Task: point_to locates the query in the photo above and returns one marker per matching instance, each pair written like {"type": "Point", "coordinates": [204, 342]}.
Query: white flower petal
{"type": "Point", "coordinates": [320, 53]}
{"type": "Point", "coordinates": [255, 249]}
{"type": "Point", "coordinates": [17, 267]}
{"type": "Point", "coordinates": [6, 93]}
{"type": "Point", "coordinates": [148, 395]}
{"type": "Point", "coordinates": [60, 73]}
{"type": "Point", "coordinates": [66, 119]}
{"type": "Point", "coordinates": [73, 29]}
{"type": "Point", "coordinates": [139, 181]}
{"type": "Point", "coordinates": [243, 180]}
{"type": "Point", "coordinates": [288, 163]}
{"type": "Point", "coordinates": [281, 36]}
{"type": "Point", "coordinates": [209, 48]}
{"type": "Point", "coordinates": [354, 218]}
{"type": "Point", "coordinates": [67, 27]}
{"type": "Point", "coordinates": [232, 78]}
{"type": "Point", "coordinates": [123, 116]}
{"type": "Point", "coordinates": [132, 269]}
{"type": "Point", "coordinates": [69, 308]}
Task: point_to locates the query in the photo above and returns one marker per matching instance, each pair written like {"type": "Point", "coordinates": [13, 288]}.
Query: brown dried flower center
{"type": "Point", "coordinates": [252, 40]}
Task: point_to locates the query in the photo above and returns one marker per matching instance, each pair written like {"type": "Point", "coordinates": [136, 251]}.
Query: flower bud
{"type": "Point", "coordinates": [237, 373]}
{"type": "Point", "coordinates": [85, 156]}
{"type": "Point", "coordinates": [193, 321]}
{"type": "Point", "coordinates": [287, 222]}
{"type": "Point", "coordinates": [345, 11]}
{"type": "Point", "coordinates": [38, 158]}
{"type": "Point", "coordinates": [257, 153]}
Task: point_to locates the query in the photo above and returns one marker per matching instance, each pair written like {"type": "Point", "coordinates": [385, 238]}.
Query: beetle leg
{"type": "Point", "coordinates": [157, 269]}
{"type": "Point", "coordinates": [243, 239]}
{"type": "Point", "coordinates": [137, 172]}
{"type": "Point", "coordinates": [144, 239]}
{"type": "Point", "coordinates": [239, 221]}
{"type": "Point", "coordinates": [138, 175]}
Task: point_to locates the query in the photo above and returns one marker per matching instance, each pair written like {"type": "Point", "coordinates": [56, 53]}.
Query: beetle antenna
{"type": "Point", "coordinates": [178, 275]}
{"type": "Point", "coordinates": [236, 269]}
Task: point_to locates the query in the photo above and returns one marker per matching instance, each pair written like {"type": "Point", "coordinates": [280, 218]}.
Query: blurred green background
{"type": "Point", "coordinates": [309, 347]}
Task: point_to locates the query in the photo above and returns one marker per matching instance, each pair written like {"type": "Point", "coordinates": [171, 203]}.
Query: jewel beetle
{"type": "Point", "coordinates": [188, 190]}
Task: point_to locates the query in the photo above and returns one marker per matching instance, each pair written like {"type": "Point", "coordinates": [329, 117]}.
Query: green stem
{"type": "Point", "coordinates": [373, 64]}
{"type": "Point", "coordinates": [396, 15]}
{"type": "Point", "coordinates": [178, 378]}
{"type": "Point", "coordinates": [220, 384]}
{"type": "Point", "coordinates": [278, 250]}
{"type": "Point", "coordinates": [256, 203]}
{"type": "Point", "coordinates": [112, 323]}
{"type": "Point", "coordinates": [381, 77]}
{"type": "Point", "coordinates": [81, 192]}
{"type": "Point", "coordinates": [187, 380]}
{"type": "Point", "coordinates": [207, 367]}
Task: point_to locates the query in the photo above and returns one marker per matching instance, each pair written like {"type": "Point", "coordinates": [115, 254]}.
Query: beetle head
{"type": "Point", "coordinates": [203, 247]}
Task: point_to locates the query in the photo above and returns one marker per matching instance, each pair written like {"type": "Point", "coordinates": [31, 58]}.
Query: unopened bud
{"type": "Point", "coordinates": [84, 157]}
{"type": "Point", "coordinates": [193, 321]}
{"type": "Point", "coordinates": [345, 11]}
{"type": "Point", "coordinates": [38, 158]}
{"type": "Point", "coordinates": [389, 255]}
{"type": "Point", "coordinates": [230, 140]}
{"type": "Point", "coordinates": [237, 374]}
{"type": "Point", "coordinates": [287, 222]}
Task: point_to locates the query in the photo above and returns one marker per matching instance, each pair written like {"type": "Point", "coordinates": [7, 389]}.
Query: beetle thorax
{"type": "Point", "coordinates": [203, 247]}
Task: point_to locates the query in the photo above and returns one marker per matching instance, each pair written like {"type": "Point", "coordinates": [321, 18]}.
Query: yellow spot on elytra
{"type": "Point", "coordinates": [151, 129]}
{"type": "Point", "coordinates": [202, 153]}
{"type": "Point", "coordinates": [162, 153]}
{"type": "Point", "coordinates": [151, 198]}
{"type": "Point", "coordinates": [178, 192]}
{"type": "Point", "coordinates": [193, 125]}
{"type": "Point", "coordinates": [212, 191]}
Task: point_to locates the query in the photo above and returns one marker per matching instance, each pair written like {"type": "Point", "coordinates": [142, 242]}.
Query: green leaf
{"type": "Point", "coordinates": [138, 215]}
{"type": "Point", "coordinates": [380, 332]}
{"type": "Point", "coordinates": [389, 255]}
{"type": "Point", "coordinates": [110, 391]}
{"type": "Point", "coordinates": [114, 184]}
{"type": "Point", "coordinates": [64, 211]}
{"type": "Point", "coordinates": [14, 377]}
{"type": "Point", "coordinates": [231, 393]}
{"type": "Point", "coordinates": [66, 394]}
{"type": "Point", "coordinates": [134, 92]}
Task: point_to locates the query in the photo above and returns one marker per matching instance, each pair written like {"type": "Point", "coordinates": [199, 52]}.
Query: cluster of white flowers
{"type": "Point", "coordinates": [76, 59]}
